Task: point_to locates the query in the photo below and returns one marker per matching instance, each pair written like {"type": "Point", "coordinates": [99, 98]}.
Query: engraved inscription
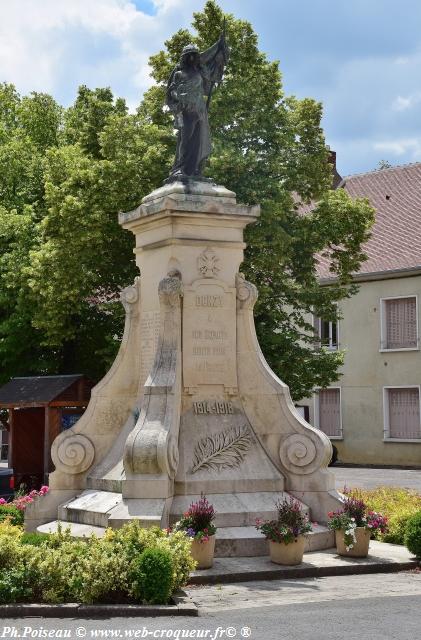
{"type": "Point", "coordinates": [209, 336]}
{"type": "Point", "coordinates": [213, 407]}
{"type": "Point", "coordinates": [209, 301]}
{"type": "Point", "coordinates": [149, 334]}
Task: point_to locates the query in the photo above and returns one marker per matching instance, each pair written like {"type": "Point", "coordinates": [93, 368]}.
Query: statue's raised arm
{"type": "Point", "coordinates": [189, 91]}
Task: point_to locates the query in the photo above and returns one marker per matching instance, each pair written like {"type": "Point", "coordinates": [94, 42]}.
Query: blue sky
{"type": "Point", "coordinates": [362, 59]}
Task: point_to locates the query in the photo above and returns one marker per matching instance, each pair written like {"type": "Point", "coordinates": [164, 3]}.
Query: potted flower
{"type": "Point", "coordinates": [197, 522]}
{"type": "Point", "coordinates": [286, 534]}
{"type": "Point", "coordinates": [353, 526]}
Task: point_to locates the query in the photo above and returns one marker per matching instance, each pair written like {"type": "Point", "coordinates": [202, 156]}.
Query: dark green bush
{"type": "Point", "coordinates": [14, 585]}
{"type": "Point", "coordinates": [35, 539]}
{"type": "Point", "coordinates": [413, 534]}
{"type": "Point", "coordinates": [10, 511]}
{"type": "Point", "coordinates": [153, 576]}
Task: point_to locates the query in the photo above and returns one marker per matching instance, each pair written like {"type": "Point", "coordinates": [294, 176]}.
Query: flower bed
{"type": "Point", "coordinates": [14, 510]}
{"type": "Point", "coordinates": [397, 504]}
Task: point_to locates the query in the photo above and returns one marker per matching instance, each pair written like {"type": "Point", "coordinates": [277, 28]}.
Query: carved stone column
{"type": "Point", "coordinates": [151, 450]}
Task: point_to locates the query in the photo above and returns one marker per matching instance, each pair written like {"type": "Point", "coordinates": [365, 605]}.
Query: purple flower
{"type": "Point", "coordinates": [191, 532]}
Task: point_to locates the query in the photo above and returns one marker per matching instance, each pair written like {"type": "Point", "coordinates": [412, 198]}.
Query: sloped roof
{"type": "Point", "coordinates": [395, 193]}
{"type": "Point", "coordinates": [35, 389]}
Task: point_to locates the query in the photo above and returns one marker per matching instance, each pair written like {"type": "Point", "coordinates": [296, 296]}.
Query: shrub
{"type": "Point", "coordinates": [135, 539]}
{"type": "Point", "coordinates": [14, 585]}
{"type": "Point", "coordinates": [397, 504]}
{"type": "Point", "coordinates": [57, 568]}
{"type": "Point", "coordinates": [10, 547]}
{"type": "Point", "coordinates": [153, 576]}
{"type": "Point", "coordinates": [11, 512]}
{"type": "Point", "coordinates": [413, 534]}
{"type": "Point", "coordinates": [102, 572]}
{"type": "Point", "coordinates": [35, 539]}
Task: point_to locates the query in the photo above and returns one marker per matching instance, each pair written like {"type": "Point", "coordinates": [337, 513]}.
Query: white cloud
{"type": "Point", "coordinates": [46, 45]}
{"type": "Point", "coordinates": [410, 147]}
{"type": "Point", "coordinates": [403, 103]}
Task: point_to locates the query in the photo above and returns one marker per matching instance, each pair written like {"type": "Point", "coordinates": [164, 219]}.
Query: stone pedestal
{"type": "Point", "coordinates": [190, 404]}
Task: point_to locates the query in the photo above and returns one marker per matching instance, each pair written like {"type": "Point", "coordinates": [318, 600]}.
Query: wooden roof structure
{"type": "Point", "coordinates": [37, 406]}
{"type": "Point", "coordinates": [43, 391]}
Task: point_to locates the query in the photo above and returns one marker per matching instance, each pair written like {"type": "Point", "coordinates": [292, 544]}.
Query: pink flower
{"type": "Point", "coordinates": [3, 501]}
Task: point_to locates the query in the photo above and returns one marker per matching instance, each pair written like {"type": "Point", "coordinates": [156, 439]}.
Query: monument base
{"type": "Point", "coordinates": [190, 405]}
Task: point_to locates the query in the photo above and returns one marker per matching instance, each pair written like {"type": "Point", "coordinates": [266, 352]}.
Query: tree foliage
{"type": "Point", "coordinates": [64, 174]}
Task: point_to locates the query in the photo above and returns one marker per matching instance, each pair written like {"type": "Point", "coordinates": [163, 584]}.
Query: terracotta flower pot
{"type": "Point", "coordinates": [288, 554]}
{"type": "Point", "coordinates": [360, 547]}
{"type": "Point", "coordinates": [203, 552]}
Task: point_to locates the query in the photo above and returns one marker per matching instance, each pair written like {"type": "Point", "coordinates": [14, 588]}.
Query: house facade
{"type": "Point", "coordinates": [372, 414]}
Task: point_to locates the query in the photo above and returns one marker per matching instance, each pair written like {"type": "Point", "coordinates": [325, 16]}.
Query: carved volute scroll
{"type": "Point", "coordinates": [300, 454]}
{"type": "Point", "coordinates": [246, 292]}
{"type": "Point", "coordinates": [130, 295]}
{"type": "Point", "coordinates": [72, 453]}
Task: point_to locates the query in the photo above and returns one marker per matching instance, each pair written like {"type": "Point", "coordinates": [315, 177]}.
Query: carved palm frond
{"type": "Point", "coordinates": [222, 450]}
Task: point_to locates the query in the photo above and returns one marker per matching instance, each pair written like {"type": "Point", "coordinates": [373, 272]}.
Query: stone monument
{"type": "Point", "coordinates": [190, 404]}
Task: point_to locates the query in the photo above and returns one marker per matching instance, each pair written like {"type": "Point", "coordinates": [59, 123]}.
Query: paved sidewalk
{"type": "Point", "coordinates": [382, 558]}
{"type": "Point", "coordinates": [370, 478]}
{"type": "Point", "coordinates": [281, 593]}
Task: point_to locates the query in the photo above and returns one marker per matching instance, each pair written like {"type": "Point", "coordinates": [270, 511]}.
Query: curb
{"type": "Point", "coordinates": [182, 605]}
{"type": "Point", "coordinates": [303, 572]}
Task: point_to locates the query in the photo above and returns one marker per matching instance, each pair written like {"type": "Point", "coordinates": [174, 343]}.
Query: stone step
{"type": "Point", "coordinates": [92, 507]}
{"type": "Point", "coordinates": [247, 541]}
{"type": "Point", "coordinates": [234, 509]}
{"type": "Point", "coordinates": [77, 530]}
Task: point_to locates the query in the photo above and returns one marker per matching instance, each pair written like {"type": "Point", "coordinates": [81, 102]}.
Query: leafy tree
{"type": "Point", "coordinates": [96, 159]}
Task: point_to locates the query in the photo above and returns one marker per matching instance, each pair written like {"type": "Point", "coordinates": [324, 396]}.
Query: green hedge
{"type": "Point", "coordinates": [131, 564]}
{"type": "Point", "coordinates": [413, 534]}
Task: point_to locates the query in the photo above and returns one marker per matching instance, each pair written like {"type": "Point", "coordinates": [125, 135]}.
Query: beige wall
{"type": "Point", "coordinates": [367, 370]}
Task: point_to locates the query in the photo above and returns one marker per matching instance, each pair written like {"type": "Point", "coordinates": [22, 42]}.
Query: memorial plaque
{"type": "Point", "coordinates": [209, 334]}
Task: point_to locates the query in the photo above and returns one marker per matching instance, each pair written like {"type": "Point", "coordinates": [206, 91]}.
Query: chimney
{"type": "Point", "coordinates": [336, 178]}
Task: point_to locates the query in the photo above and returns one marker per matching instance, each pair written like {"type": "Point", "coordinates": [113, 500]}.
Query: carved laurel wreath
{"type": "Point", "coordinates": [222, 450]}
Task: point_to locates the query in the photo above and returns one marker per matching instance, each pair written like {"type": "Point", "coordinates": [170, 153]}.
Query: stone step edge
{"type": "Point", "coordinates": [300, 571]}
{"type": "Point", "coordinates": [84, 529]}
{"type": "Point", "coordinates": [252, 531]}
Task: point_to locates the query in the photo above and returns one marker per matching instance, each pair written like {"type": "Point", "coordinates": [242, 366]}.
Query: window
{"type": "Point", "coordinates": [399, 323]}
{"type": "Point", "coordinates": [402, 413]}
{"type": "Point", "coordinates": [327, 332]}
{"type": "Point", "coordinates": [4, 443]}
{"type": "Point", "coordinates": [328, 412]}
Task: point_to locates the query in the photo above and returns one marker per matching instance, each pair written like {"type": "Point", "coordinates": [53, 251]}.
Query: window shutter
{"type": "Point", "coordinates": [330, 412]}
{"type": "Point", "coordinates": [401, 323]}
{"type": "Point", "coordinates": [404, 413]}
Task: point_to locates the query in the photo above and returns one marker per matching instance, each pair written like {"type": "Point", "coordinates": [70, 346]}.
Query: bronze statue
{"type": "Point", "coordinates": [189, 92]}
